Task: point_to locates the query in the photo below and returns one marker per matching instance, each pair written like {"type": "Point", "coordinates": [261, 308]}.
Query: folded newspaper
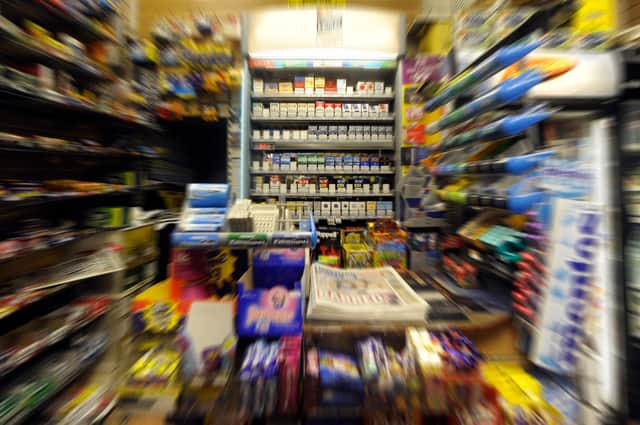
{"type": "Point", "coordinates": [363, 295]}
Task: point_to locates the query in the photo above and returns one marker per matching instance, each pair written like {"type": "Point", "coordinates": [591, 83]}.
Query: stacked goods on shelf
{"type": "Point", "coordinates": [41, 334]}
{"type": "Point", "coordinates": [73, 162]}
{"type": "Point", "coordinates": [318, 84]}
{"type": "Point", "coordinates": [629, 172]}
{"type": "Point", "coordinates": [205, 219]}
{"type": "Point", "coordinates": [356, 97]}
{"type": "Point", "coordinates": [64, 72]}
{"type": "Point", "coordinates": [332, 133]}
{"type": "Point", "coordinates": [547, 199]}
{"type": "Point", "coordinates": [196, 69]}
{"type": "Point", "coordinates": [320, 110]}
{"type": "Point", "coordinates": [381, 243]}
{"type": "Point", "coordinates": [428, 376]}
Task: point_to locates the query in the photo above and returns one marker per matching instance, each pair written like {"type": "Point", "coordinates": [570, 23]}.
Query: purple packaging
{"type": "Point", "coordinates": [272, 312]}
{"type": "Point", "coordinates": [277, 266]}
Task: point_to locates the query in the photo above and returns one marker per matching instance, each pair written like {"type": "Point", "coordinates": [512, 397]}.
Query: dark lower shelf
{"type": "Point", "coordinates": [56, 206]}
{"type": "Point", "coordinates": [35, 355]}
{"type": "Point", "coordinates": [63, 108]}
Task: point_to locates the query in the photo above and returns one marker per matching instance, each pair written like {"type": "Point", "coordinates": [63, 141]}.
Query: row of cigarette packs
{"type": "Point", "coordinates": [322, 161]}
{"type": "Point", "coordinates": [315, 84]}
{"type": "Point", "coordinates": [320, 109]}
{"type": "Point", "coordinates": [338, 209]}
{"type": "Point", "coordinates": [351, 185]}
{"type": "Point", "coordinates": [328, 132]}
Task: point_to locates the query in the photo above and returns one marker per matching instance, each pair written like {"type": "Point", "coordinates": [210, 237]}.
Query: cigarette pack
{"type": "Point", "coordinates": [346, 110]}
{"type": "Point", "coordinates": [312, 132]}
{"type": "Point", "coordinates": [309, 84]}
{"type": "Point", "coordinates": [298, 84]}
{"type": "Point", "coordinates": [271, 88]}
{"type": "Point", "coordinates": [258, 85]}
{"type": "Point", "coordinates": [323, 132]}
{"type": "Point", "coordinates": [366, 132]}
{"type": "Point", "coordinates": [378, 87]}
{"type": "Point", "coordinates": [302, 109]}
{"type": "Point", "coordinates": [341, 85]}
{"type": "Point", "coordinates": [370, 87]}
{"type": "Point", "coordinates": [330, 86]}
{"type": "Point", "coordinates": [335, 208]}
{"type": "Point", "coordinates": [319, 84]}
{"type": "Point", "coordinates": [285, 87]}
{"type": "Point", "coordinates": [328, 110]}
{"type": "Point", "coordinates": [333, 132]}
{"type": "Point", "coordinates": [357, 110]}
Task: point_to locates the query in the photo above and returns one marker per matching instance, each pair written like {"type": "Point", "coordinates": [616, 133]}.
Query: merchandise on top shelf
{"type": "Point", "coordinates": [322, 110]}
{"type": "Point", "coordinates": [318, 86]}
{"type": "Point", "coordinates": [204, 220]}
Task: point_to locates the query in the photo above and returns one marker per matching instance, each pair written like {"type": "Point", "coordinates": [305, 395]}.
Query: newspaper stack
{"type": "Point", "coordinates": [379, 295]}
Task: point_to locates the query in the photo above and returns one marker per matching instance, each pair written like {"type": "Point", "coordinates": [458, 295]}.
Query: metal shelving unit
{"type": "Point", "coordinates": [323, 172]}
{"type": "Point", "coordinates": [321, 195]}
{"type": "Point", "coordinates": [322, 145]}
{"type": "Point", "coordinates": [381, 119]}
{"type": "Point", "coordinates": [323, 96]}
{"type": "Point", "coordinates": [259, 147]}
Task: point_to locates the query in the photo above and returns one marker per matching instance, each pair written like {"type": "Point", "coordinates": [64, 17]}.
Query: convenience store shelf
{"type": "Point", "coordinates": [13, 96]}
{"type": "Point", "coordinates": [323, 172]}
{"type": "Point", "coordinates": [27, 50]}
{"type": "Point", "coordinates": [59, 293]}
{"type": "Point", "coordinates": [56, 16]}
{"type": "Point", "coordinates": [321, 96]}
{"type": "Point", "coordinates": [321, 145]}
{"type": "Point", "coordinates": [58, 337]}
{"type": "Point", "coordinates": [244, 240]}
{"type": "Point", "coordinates": [51, 201]}
{"type": "Point", "coordinates": [34, 148]}
{"type": "Point", "coordinates": [321, 195]}
{"type": "Point", "coordinates": [24, 415]}
{"type": "Point", "coordinates": [352, 217]}
{"type": "Point", "coordinates": [387, 118]}
{"type": "Point", "coordinates": [83, 235]}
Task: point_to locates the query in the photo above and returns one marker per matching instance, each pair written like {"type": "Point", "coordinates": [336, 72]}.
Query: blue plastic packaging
{"type": "Point", "coordinates": [204, 195]}
{"type": "Point", "coordinates": [277, 266]}
{"type": "Point", "coordinates": [504, 93]}
{"type": "Point", "coordinates": [501, 59]}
